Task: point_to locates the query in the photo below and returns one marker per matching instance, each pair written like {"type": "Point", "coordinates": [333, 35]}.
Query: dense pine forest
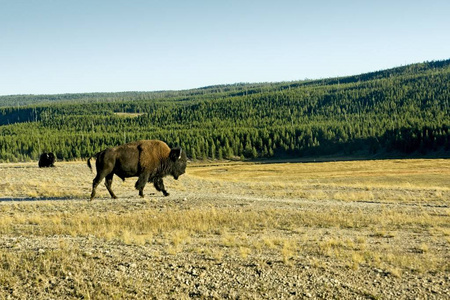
{"type": "Point", "coordinates": [398, 112]}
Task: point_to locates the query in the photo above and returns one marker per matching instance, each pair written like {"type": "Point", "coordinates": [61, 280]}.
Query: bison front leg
{"type": "Point", "coordinates": [159, 186]}
{"type": "Point", "coordinates": [140, 183]}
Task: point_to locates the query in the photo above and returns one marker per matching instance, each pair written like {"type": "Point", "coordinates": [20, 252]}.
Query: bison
{"type": "Point", "coordinates": [47, 160]}
{"type": "Point", "coordinates": [150, 160]}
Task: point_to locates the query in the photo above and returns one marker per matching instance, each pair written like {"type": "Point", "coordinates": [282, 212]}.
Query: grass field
{"type": "Point", "coordinates": [361, 229]}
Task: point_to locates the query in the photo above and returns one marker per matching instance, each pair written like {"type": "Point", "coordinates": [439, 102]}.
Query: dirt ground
{"type": "Point", "coordinates": [334, 232]}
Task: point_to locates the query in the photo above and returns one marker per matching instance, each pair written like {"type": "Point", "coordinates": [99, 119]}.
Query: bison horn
{"type": "Point", "coordinates": [181, 150]}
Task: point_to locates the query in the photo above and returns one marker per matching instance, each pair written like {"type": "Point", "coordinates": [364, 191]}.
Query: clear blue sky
{"type": "Point", "coordinates": [65, 46]}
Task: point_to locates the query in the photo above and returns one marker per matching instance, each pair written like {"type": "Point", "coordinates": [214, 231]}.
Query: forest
{"type": "Point", "coordinates": [400, 112]}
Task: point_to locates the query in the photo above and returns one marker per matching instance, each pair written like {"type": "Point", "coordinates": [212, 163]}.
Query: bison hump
{"type": "Point", "coordinates": [151, 153]}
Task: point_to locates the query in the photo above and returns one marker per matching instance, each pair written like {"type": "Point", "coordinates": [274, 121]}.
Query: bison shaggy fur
{"type": "Point", "coordinates": [47, 160]}
{"type": "Point", "coordinates": [150, 160]}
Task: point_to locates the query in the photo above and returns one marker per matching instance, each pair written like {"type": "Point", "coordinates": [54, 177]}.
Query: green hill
{"type": "Point", "coordinates": [401, 111]}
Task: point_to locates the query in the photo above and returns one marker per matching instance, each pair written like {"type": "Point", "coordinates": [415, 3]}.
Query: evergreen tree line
{"type": "Point", "coordinates": [403, 110]}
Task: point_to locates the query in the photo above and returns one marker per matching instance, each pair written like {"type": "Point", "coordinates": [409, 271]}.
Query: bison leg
{"type": "Point", "coordinates": [108, 183]}
{"type": "Point", "coordinates": [159, 186]}
{"type": "Point", "coordinates": [95, 183]}
{"type": "Point", "coordinates": [105, 166]}
{"type": "Point", "coordinates": [97, 180]}
{"type": "Point", "coordinates": [140, 183]}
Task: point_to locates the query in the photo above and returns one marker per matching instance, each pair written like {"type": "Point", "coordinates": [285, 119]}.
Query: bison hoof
{"type": "Point", "coordinates": [166, 193]}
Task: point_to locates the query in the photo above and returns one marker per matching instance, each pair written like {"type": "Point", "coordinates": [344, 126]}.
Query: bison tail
{"type": "Point", "coordinates": [89, 161]}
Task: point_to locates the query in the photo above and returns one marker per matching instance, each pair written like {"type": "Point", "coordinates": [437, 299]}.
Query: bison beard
{"type": "Point", "coordinates": [150, 160]}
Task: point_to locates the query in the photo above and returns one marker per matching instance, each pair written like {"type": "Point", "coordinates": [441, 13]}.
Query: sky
{"type": "Point", "coordinates": [65, 46]}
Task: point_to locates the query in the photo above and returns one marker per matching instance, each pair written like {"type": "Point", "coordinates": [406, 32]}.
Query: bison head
{"type": "Point", "coordinates": [179, 160]}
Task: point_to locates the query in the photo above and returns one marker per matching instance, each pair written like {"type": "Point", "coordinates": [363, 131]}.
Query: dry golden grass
{"type": "Point", "coordinates": [391, 216]}
{"type": "Point", "coordinates": [386, 180]}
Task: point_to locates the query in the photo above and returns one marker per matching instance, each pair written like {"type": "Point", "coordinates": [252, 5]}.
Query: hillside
{"type": "Point", "coordinates": [401, 111]}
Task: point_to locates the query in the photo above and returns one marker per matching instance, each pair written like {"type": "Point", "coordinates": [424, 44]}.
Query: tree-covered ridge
{"type": "Point", "coordinates": [403, 110]}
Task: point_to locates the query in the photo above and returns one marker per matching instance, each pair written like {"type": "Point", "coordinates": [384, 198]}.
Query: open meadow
{"type": "Point", "coordinates": [355, 230]}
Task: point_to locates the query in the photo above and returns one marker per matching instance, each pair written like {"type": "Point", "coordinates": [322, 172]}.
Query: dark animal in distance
{"type": "Point", "coordinates": [150, 160]}
{"type": "Point", "coordinates": [47, 160]}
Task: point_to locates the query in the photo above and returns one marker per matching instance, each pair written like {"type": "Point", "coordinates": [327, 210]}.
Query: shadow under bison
{"type": "Point", "coordinates": [150, 160]}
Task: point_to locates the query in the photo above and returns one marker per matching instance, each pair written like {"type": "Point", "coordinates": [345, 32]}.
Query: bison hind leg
{"type": "Point", "coordinates": [108, 184]}
{"type": "Point", "coordinates": [95, 183]}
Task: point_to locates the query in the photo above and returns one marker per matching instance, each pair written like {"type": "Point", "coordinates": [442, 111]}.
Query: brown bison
{"type": "Point", "coordinates": [150, 160]}
{"type": "Point", "coordinates": [47, 160]}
